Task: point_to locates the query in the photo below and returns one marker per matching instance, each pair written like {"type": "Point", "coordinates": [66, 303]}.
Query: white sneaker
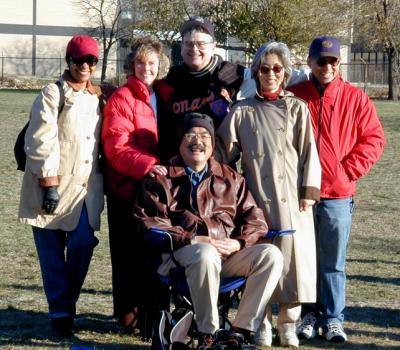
{"type": "Point", "coordinates": [288, 336]}
{"type": "Point", "coordinates": [308, 328]}
{"type": "Point", "coordinates": [289, 340]}
{"type": "Point", "coordinates": [334, 333]}
{"type": "Point", "coordinates": [263, 338]}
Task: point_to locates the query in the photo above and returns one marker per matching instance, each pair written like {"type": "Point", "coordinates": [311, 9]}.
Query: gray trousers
{"type": "Point", "coordinates": [261, 264]}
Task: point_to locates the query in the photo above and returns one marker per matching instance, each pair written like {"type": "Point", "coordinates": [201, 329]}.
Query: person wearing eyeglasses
{"type": "Point", "coordinates": [350, 141]}
{"type": "Point", "coordinates": [272, 133]}
{"type": "Point", "coordinates": [130, 144]}
{"type": "Point", "coordinates": [215, 224]}
{"type": "Point", "coordinates": [62, 188]}
{"type": "Point", "coordinates": [203, 83]}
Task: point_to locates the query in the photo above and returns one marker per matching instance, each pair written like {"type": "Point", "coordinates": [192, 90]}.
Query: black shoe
{"type": "Point", "coordinates": [62, 326]}
{"type": "Point", "coordinates": [228, 340]}
{"type": "Point", "coordinates": [243, 336]}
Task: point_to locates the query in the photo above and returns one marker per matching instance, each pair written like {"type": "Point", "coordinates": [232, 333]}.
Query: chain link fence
{"type": "Point", "coordinates": [369, 76]}
{"type": "Point", "coordinates": [47, 68]}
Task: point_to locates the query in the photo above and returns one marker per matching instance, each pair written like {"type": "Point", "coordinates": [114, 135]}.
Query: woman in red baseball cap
{"type": "Point", "coordinates": [82, 55]}
{"type": "Point", "coordinates": [62, 189]}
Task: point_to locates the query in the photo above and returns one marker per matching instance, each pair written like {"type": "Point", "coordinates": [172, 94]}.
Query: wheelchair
{"type": "Point", "coordinates": [229, 290]}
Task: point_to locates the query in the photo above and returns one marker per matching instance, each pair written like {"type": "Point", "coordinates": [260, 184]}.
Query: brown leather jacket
{"type": "Point", "coordinates": [226, 207]}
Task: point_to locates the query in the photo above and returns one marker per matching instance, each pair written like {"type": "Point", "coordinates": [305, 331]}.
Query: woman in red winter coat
{"type": "Point", "coordinates": [130, 137]}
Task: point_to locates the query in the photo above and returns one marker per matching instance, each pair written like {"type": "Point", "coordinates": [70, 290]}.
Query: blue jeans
{"type": "Point", "coordinates": [332, 219]}
{"type": "Point", "coordinates": [63, 272]}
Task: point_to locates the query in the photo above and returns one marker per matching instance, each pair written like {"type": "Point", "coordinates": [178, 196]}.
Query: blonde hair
{"type": "Point", "coordinates": [140, 49]}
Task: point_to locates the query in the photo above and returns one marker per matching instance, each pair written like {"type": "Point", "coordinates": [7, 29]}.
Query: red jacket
{"type": "Point", "coordinates": [129, 137]}
{"type": "Point", "coordinates": [348, 133]}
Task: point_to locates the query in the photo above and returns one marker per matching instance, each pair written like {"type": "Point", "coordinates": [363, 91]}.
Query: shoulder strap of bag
{"type": "Point", "coordinates": [61, 102]}
{"type": "Point", "coordinates": [19, 151]}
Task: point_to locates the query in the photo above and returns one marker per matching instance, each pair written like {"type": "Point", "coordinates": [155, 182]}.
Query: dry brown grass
{"type": "Point", "coordinates": [372, 314]}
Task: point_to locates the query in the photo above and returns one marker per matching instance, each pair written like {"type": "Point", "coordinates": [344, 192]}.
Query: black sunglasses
{"type": "Point", "coordinates": [276, 69]}
{"type": "Point", "coordinates": [323, 61]}
{"type": "Point", "coordinates": [90, 60]}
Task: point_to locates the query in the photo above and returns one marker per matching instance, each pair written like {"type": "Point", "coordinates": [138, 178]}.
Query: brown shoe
{"type": "Point", "coordinates": [130, 321]}
{"type": "Point", "coordinates": [205, 341]}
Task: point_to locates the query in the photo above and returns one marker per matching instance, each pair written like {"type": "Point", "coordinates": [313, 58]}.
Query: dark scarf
{"type": "Point", "coordinates": [207, 69]}
{"type": "Point", "coordinates": [317, 85]}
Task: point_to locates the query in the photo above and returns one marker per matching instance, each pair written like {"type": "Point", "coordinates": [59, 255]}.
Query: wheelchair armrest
{"type": "Point", "coordinates": [275, 233]}
{"type": "Point", "coordinates": [159, 239]}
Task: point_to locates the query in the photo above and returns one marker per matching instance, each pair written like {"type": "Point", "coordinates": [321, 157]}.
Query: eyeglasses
{"type": "Point", "coordinates": [276, 69]}
{"type": "Point", "coordinates": [204, 136]}
{"type": "Point", "coordinates": [323, 61]}
{"type": "Point", "coordinates": [201, 45]}
{"type": "Point", "coordinates": [90, 60]}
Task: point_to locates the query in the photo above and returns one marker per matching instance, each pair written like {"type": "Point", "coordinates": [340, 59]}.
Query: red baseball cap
{"type": "Point", "coordinates": [82, 45]}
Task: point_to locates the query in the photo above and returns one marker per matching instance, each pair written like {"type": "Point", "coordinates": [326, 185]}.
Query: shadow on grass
{"type": "Point", "coordinates": [374, 316]}
{"type": "Point", "coordinates": [321, 343]}
{"type": "Point", "coordinates": [373, 261]}
{"type": "Point", "coordinates": [38, 288]}
{"type": "Point", "coordinates": [379, 317]}
{"type": "Point", "coordinates": [374, 279]}
{"type": "Point", "coordinates": [32, 329]}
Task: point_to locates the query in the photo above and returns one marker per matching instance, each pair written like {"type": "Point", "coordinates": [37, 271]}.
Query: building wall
{"type": "Point", "coordinates": [34, 34]}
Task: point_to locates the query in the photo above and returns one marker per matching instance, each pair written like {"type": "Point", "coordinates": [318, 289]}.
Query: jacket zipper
{"type": "Point", "coordinates": [321, 102]}
{"type": "Point", "coordinates": [330, 119]}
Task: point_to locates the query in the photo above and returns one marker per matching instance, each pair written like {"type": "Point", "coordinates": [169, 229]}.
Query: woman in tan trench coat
{"type": "Point", "coordinates": [272, 132]}
{"type": "Point", "coordinates": [62, 188]}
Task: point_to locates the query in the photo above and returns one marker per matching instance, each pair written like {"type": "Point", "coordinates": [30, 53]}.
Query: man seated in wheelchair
{"type": "Point", "coordinates": [214, 222]}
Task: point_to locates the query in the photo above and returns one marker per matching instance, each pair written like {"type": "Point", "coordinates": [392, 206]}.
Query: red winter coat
{"type": "Point", "coordinates": [129, 137]}
{"type": "Point", "coordinates": [347, 131]}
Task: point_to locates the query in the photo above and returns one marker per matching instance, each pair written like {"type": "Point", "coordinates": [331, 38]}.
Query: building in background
{"type": "Point", "coordinates": [34, 35]}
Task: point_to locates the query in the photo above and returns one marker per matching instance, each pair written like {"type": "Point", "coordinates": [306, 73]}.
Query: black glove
{"type": "Point", "coordinates": [50, 199]}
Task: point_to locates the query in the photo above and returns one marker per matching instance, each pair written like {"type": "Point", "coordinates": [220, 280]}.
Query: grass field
{"type": "Point", "coordinates": [373, 297]}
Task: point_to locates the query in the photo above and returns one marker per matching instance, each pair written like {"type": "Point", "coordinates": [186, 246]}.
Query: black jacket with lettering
{"type": "Point", "coordinates": [182, 92]}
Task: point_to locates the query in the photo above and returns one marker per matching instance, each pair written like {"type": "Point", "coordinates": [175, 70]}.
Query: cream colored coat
{"type": "Point", "coordinates": [67, 148]}
{"type": "Point", "coordinates": [280, 163]}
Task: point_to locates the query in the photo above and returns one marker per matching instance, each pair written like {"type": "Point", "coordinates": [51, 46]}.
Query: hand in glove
{"type": "Point", "coordinates": [50, 199]}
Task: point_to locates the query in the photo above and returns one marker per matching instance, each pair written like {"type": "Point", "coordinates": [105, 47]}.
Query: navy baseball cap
{"type": "Point", "coordinates": [198, 21]}
{"type": "Point", "coordinates": [324, 46]}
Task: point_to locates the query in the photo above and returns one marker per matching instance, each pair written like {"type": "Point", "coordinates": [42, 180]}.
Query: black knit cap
{"type": "Point", "coordinates": [197, 21]}
{"type": "Point", "coordinates": [191, 120]}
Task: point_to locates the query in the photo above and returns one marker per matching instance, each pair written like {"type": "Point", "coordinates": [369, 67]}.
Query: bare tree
{"type": "Point", "coordinates": [106, 19]}
{"type": "Point", "coordinates": [164, 18]}
{"type": "Point", "coordinates": [378, 27]}
{"type": "Point", "coordinates": [295, 22]}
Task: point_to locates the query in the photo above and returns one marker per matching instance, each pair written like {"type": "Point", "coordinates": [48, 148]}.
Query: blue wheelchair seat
{"type": "Point", "coordinates": [229, 289]}
{"type": "Point", "coordinates": [177, 280]}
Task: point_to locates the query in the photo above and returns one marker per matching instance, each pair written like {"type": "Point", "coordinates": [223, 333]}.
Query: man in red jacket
{"type": "Point", "coordinates": [350, 140]}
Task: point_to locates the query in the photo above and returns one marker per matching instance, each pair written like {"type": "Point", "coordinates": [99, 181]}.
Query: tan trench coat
{"type": "Point", "coordinates": [280, 163]}
{"type": "Point", "coordinates": [67, 148]}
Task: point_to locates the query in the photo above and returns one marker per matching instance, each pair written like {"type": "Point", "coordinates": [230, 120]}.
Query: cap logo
{"type": "Point", "coordinates": [327, 44]}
